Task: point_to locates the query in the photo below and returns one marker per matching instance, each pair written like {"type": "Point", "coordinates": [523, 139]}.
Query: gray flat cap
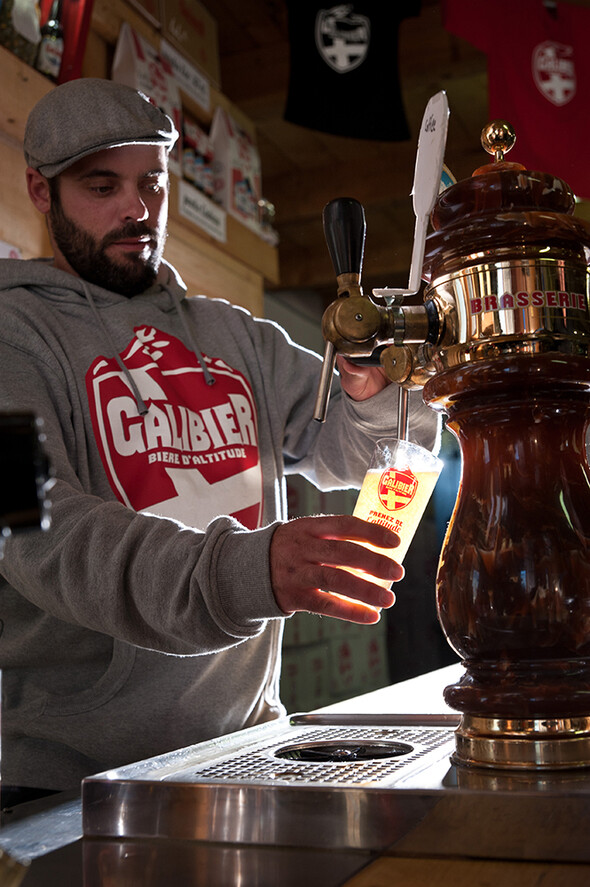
{"type": "Point", "coordinates": [84, 116]}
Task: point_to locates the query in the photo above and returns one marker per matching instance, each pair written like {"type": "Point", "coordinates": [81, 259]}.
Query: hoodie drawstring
{"type": "Point", "coordinates": [189, 334]}
{"type": "Point", "coordinates": [141, 405]}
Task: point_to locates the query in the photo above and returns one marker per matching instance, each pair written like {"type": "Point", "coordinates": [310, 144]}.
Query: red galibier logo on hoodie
{"type": "Point", "coordinates": [195, 454]}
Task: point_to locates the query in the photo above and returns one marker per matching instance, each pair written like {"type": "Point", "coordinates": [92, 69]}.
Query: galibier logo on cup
{"type": "Point", "coordinates": [397, 488]}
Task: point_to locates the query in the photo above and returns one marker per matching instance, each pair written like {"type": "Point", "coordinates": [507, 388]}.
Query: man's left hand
{"type": "Point", "coordinates": [360, 382]}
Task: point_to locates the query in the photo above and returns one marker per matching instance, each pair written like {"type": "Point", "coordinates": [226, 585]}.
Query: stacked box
{"type": "Point", "coordinates": [303, 498]}
{"type": "Point", "coordinates": [358, 662]}
{"type": "Point", "coordinates": [303, 629]}
{"type": "Point", "coordinates": [304, 677]}
{"type": "Point", "coordinates": [355, 656]}
{"type": "Point", "coordinates": [326, 660]}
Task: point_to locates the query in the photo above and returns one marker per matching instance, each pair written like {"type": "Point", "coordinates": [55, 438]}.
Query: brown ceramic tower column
{"type": "Point", "coordinates": [513, 587]}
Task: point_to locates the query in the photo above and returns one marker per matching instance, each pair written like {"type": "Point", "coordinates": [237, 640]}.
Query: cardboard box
{"type": "Point", "coordinates": [373, 661]}
{"type": "Point", "coordinates": [358, 663]}
{"type": "Point", "coordinates": [236, 169]}
{"type": "Point", "coordinates": [303, 498]}
{"type": "Point", "coordinates": [343, 664]}
{"type": "Point", "coordinates": [305, 678]}
{"type": "Point", "coordinates": [137, 64]}
{"type": "Point", "coordinates": [192, 30]}
{"type": "Point", "coordinates": [304, 628]}
{"type": "Point", "coordinates": [344, 677]}
{"type": "Point", "coordinates": [197, 156]}
{"type": "Point", "coordinates": [292, 680]}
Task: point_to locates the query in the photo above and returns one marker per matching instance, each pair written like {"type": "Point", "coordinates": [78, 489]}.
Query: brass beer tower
{"type": "Point", "coordinates": [501, 346]}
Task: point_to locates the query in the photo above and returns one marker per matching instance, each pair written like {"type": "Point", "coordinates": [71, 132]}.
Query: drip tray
{"type": "Point", "coordinates": [270, 784]}
{"type": "Point", "coordinates": [322, 756]}
{"type": "Point", "coordinates": [339, 781]}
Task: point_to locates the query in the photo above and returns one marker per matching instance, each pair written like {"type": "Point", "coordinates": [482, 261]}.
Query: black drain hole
{"type": "Point", "coordinates": [343, 752]}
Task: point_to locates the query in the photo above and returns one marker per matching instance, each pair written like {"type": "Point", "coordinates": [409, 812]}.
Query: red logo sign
{"type": "Point", "coordinates": [397, 488]}
{"type": "Point", "coordinates": [194, 456]}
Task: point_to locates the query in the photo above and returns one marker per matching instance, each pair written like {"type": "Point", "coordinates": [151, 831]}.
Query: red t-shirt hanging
{"type": "Point", "coordinates": [539, 76]}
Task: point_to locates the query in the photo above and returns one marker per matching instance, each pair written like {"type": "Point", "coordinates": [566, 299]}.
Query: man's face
{"type": "Point", "coordinates": [108, 216]}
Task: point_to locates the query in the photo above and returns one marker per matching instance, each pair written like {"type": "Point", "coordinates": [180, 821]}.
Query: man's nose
{"type": "Point", "coordinates": [134, 206]}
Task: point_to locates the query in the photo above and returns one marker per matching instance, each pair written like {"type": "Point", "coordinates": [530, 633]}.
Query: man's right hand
{"type": "Point", "coordinates": [305, 556]}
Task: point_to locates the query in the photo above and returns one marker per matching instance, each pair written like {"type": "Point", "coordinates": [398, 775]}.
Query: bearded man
{"type": "Point", "coordinates": [149, 616]}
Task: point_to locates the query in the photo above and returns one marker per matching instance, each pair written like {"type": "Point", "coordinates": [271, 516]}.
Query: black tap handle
{"type": "Point", "coordinates": [344, 230]}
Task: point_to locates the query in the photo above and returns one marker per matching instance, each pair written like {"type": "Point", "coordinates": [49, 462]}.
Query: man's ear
{"type": "Point", "coordinates": [38, 188]}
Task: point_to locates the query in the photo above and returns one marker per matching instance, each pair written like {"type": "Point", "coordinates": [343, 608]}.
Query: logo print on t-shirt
{"type": "Point", "coordinates": [554, 71]}
{"type": "Point", "coordinates": [342, 37]}
{"type": "Point", "coordinates": [195, 455]}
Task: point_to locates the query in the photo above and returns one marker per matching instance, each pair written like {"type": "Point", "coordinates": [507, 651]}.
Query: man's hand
{"type": "Point", "coordinates": [305, 555]}
{"type": "Point", "coordinates": [360, 382]}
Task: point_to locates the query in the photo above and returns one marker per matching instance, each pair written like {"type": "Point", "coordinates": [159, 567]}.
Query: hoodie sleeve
{"type": "Point", "coordinates": [334, 454]}
{"type": "Point", "coordinates": [139, 578]}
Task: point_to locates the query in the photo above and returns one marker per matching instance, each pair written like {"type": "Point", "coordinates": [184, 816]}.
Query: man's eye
{"type": "Point", "coordinates": [101, 189]}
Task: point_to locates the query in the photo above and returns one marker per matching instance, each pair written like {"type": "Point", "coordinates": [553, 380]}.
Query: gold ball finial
{"type": "Point", "coordinates": [497, 138]}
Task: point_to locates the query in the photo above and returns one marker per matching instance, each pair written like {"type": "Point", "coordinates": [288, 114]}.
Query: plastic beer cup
{"type": "Point", "coordinates": [398, 484]}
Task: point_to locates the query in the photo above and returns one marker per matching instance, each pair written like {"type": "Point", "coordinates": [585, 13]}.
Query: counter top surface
{"type": "Point", "coordinates": [420, 695]}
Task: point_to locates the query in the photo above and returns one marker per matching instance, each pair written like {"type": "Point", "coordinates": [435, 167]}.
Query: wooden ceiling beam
{"type": "Point", "coordinates": [300, 195]}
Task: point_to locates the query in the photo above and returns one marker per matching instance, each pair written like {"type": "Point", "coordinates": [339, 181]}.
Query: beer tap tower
{"type": "Point", "coordinates": [500, 345]}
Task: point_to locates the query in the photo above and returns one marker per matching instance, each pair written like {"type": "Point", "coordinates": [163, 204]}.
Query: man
{"type": "Point", "coordinates": [149, 616]}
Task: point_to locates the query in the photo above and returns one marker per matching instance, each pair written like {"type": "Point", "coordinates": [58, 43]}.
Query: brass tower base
{"type": "Point", "coordinates": [523, 743]}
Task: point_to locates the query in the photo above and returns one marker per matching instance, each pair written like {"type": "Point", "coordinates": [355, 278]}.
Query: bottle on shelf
{"type": "Point", "coordinates": [51, 46]}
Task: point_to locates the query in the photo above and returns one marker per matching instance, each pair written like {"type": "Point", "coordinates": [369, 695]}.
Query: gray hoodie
{"type": "Point", "coordinates": [142, 621]}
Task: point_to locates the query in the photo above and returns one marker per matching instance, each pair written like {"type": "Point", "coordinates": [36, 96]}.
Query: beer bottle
{"type": "Point", "coordinates": [51, 46]}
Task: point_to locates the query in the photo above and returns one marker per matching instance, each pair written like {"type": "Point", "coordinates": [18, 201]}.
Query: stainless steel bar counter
{"type": "Point", "coordinates": [359, 793]}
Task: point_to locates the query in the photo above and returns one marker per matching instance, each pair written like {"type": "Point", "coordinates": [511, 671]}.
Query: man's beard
{"type": "Point", "coordinates": [88, 257]}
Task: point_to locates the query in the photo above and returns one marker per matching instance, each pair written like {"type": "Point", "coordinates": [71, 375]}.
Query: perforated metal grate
{"type": "Point", "coordinates": [263, 764]}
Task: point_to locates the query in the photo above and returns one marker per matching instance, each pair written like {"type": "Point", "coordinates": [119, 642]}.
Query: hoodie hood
{"type": "Point", "coordinates": [39, 276]}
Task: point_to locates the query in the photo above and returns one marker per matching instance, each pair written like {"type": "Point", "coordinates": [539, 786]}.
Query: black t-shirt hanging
{"type": "Point", "coordinates": [344, 75]}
